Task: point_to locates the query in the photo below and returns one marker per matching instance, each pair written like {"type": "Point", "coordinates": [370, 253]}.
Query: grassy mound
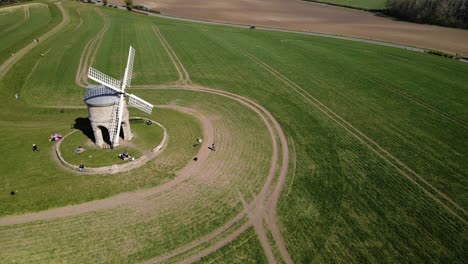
{"type": "Point", "coordinates": [145, 138]}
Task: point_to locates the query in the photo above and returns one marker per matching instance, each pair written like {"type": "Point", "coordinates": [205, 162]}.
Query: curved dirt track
{"type": "Point", "coordinates": [261, 206]}
{"type": "Point", "coordinates": [25, 19]}
{"type": "Point", "coordinates": [90, 51]}
{"type": "Point", "coordinates": [266, 198]}
{"type": "Point", "coordinates": [122, 198]}
{"type": "Point", "coordinates": [5, 67]}
{"type": "Point", "coordinates": [261, 210]}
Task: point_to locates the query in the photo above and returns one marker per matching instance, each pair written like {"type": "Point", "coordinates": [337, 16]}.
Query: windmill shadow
{"type": "Point", "coordinates": [84, 126]}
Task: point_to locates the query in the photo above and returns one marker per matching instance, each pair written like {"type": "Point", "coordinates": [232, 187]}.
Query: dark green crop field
{"type": "Point", "coordinates": [366, 163]}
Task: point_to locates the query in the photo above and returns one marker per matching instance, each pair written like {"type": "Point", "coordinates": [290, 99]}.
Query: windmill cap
{"type": "Point", "coordinates": [100, 95]}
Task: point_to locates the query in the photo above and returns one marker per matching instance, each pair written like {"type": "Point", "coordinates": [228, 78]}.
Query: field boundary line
{"type": "Point", "coordinates": [6, 66]}
{"type": "Point", "coordinates": [361, 137]}
{"type": "Point", "coordinates": [316, 34]}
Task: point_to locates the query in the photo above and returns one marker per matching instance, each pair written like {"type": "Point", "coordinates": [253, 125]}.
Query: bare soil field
{"type": "Point", "coordinates": [313, 17]}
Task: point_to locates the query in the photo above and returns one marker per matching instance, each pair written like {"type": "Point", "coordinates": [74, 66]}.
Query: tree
{"type": "Point", "coordinates": [451, 13]}
{"type": "Point", "coordinates": [129, 4]}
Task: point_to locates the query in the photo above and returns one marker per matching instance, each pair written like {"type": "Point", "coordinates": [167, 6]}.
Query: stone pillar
{"type": "Point", "coordinates": [128, 135]}
{"type": "Point", "coordinates": [98, 139]}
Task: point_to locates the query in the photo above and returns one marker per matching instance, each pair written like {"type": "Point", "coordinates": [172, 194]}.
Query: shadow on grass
{"type": "Point", "coordinates": [84, 126]}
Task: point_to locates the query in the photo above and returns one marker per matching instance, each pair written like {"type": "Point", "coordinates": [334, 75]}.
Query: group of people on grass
{"type": "Point", "coordinates": [126, 156]}
{"type": "Point", "coordinates": [55, 137]}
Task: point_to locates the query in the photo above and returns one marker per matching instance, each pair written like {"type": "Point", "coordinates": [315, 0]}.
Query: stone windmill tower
{"type": "Point", "coordinates": [108, 113]}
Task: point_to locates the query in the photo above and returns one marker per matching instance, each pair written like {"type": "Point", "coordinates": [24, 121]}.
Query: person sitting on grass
{"type": "Point", "coordinates": [55, 137]}
{"type": "Point", "coordinates": [79, 149]}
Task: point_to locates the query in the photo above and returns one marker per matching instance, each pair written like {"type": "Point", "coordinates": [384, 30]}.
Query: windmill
{"type": "Point", "coordinates": [111, 95]}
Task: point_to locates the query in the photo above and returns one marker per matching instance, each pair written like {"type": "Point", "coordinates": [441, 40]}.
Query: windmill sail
{"type": "Point", "coordinates": [129, 70]}
{"type": "Point", "coordinates": [139, 103]}
{"type": "Point", "coordinates": [104, 79]}
{"type": "Point", "coordinates": [114, 125]}
{"type": "Point", "coordinates": [119, 87]}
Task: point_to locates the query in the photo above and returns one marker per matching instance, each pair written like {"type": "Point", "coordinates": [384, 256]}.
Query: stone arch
{"type": "Point", "coordinates": [125, 131]}
{"type": "Point", "coordinates": [105, 134]}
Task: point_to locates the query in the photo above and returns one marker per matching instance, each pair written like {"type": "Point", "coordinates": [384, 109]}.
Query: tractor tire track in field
{"type": "Point", "coordinates": [184, 77]}
{"type": "Point", "coordinates": [6, 66]}
{"type": "Point", "coordinates": [90, 51]}
{"type": "Point", "coordinates": [262, 206]}
{"type": "Point", "coordinates": [257, 207]}
{"type": "Point", "coordinates": [259, 212]}
{"type": "Point", "coordinates": [401, 167]}
{"type": "Point", "coordinates": [81, 20]}
{"type": "Point", "coordinates": [262, 198]}
{"type": "Point", "coordinates": [455, 120]}
{"type": "Point", "coordinates": [25, 19]}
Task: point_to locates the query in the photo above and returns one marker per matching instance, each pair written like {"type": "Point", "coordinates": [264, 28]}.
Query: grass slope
{"type": "Point", "coordinates": [18, 32]}
{"type": "Point", "coordinates": [354, 80]}
{"type": "Point", "coordinates": [342, 202]}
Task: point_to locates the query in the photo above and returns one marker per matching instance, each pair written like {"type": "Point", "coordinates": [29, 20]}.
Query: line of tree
{"type": "Point", "coordinates": [450, 13]}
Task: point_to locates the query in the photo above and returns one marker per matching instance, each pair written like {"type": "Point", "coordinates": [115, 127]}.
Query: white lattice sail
{"type": "Point", "coordinates": [139, 103]}
{"type": "Point", "coordinates": [119, 87]}
{"type": "Point", "coordinates": [129, 69]}
{"type": "Point", "coordinates": [104, 79]}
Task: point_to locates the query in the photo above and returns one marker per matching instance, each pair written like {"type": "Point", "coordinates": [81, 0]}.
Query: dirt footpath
{"type": "Point", "coordinates": [312, 17]}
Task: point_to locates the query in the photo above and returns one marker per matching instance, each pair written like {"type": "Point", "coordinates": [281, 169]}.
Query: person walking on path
{"type": "Point", "coordinates": [199, 141]}
{"type": "Point", "coordinates": [81, 167]}
{"type": "Point", "coordinates": [34, 148]}
{"type": "Point", "coordinates": [17, 95]}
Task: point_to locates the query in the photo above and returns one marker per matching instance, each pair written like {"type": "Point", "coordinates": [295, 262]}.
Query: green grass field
{"type": "Point", "coordinates": [364, 4]}
{"type": "Point", "coordinates": [376, 139]}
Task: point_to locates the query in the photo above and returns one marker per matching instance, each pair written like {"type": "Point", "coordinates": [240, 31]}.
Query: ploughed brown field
{"type": "Point", "coordinates": [307, 16]}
